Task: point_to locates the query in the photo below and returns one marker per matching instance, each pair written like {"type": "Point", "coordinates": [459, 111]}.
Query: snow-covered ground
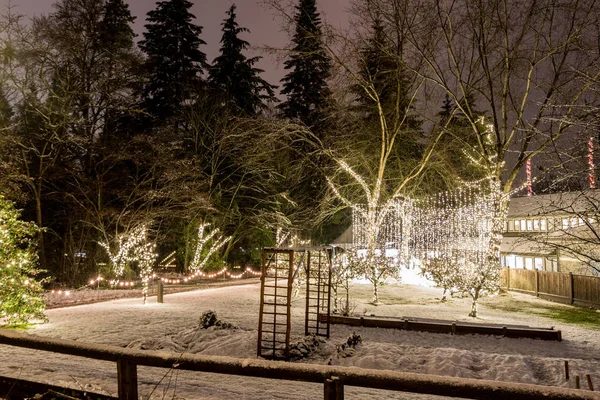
{"type": "Point", "coordinates": [173, 325]}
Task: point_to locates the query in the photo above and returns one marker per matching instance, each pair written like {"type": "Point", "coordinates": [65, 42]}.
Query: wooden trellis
{"type": "Point", "coordinates": [279, 268]}
{"type": "Point", "coordinates": [318, 288]}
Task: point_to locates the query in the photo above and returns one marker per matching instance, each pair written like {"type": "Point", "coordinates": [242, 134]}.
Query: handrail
{"type": "Point", "coordinates": [350, 376]}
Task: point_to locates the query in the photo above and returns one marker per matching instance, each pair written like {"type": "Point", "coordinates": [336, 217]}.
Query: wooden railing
{"type": "Point", "coordinates": [558, 286]}
{"type": "Point", "coordinates": [333, 378]}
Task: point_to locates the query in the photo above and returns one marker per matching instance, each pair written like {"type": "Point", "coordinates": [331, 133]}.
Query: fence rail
{"type": "Point", "coordinates": [563, 287]}
{"type": "Point", "coordinates": [333, 378]}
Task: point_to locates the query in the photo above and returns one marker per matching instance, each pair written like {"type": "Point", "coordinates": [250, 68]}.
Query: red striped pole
{"type": "Point", "coordinates": [591, 163]}
{"type": "Point", "coordinates": [529, 186]}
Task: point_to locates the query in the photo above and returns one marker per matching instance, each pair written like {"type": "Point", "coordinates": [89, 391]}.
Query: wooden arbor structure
{"type": "Point", "coordinates": [280, 268]}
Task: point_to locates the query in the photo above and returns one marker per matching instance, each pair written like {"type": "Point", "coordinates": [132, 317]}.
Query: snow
{"type": "Point", "coordinates": [173, 326]}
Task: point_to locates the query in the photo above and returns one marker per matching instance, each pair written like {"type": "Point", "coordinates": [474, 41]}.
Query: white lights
{"type": "Point", "coordinates": [200, 258]}
{"type": "Point", "coordinates": [129, 248]}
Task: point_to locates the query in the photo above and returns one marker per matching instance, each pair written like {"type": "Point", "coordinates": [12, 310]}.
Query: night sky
{"type": "Point", "coordinates": [264, 25]}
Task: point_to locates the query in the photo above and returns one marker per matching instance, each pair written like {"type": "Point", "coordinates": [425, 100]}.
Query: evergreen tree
{"type": "Point", "coordinates": [115, 34]}
{"type": "Point", "coordinates": [308, 95]}
{"type": "Point", "coordinates": [20, 293]}
{"type": "Point", "coordinates": [382, 71]}
{"type": "Point", "coordinates": [174, 61]}
{"type": "Point", "coordinates": [6, 112]}
{"type": "Point", "coordinates": [456, 149]}
{"type": "Point", "coordinates": [235, 76]}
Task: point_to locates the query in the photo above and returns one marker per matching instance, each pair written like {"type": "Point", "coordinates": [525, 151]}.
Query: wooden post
{"type": "Point", "coordinates": [537, 283]}
{"type": "Point", "coordinates": [334, 389]}
{"type": "Point", "coordinates": [566, 370]}
{"type": "Point", "coordinates": [577, 385]}
{"type": "Point", "coordinates": [127, 380]}
{"type": "Point", "coordinates": [262, 302]}
{"type": "Point", "coordinates": [571, 294]}
{"type": "Point", "coordinates": [160, 292]}
{"type": "Point", "coordinates": [589, 381]}
{"type": "Point", "coordinates": [508, 278]}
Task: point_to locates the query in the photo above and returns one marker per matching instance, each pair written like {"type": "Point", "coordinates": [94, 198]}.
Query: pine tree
{"type": "Point", "coordinates": [235, 76]}
{"type": "Point", "coordinates": [174, 61]}
{"type": "Point", "coordinates": [308, 95]}
{"type": "Point", "coordinates": [382, 70]}
{"type": "Point", "coordinates": [114, 32]}
{"type": "Point", "coordinates": [6, 112]}
{"type": "Point", "coordinates": [20, 294]}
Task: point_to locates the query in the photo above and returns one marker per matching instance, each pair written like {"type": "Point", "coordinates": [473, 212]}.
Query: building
{"type": "Point", "coordinates": [554, 232]}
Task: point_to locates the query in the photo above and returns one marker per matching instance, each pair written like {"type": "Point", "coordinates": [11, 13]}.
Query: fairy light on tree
{"type": "Point", "coordinates": [20, 293]}
{"type": "Point", "coordinates": [205, 236]}
{"type": "Point", "coordinates": [448, 234]}
{"type": "Point", "coordinates": [146, 258]}
{"type": "Point", "coordinates": [133, 249]}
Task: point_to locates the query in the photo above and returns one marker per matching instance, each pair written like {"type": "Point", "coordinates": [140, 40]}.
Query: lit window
{"type": "Point", "coordinates": [519, 262]}
{"type": "Point", "coordinates": [538, 262]}
{"type": "Point", "coordinates": [511, 225]}
{"type": "Point", "coordinates": [543, 225]}
{"type": "Point", "coordinates": [536, 224]}
{"type": "Point", "coordinates": [517, 225]}
{"type": "Point", "coordinates": [505, 226]}
{"type": "Point", "coordinates": [528, 263]}
{"type": "Point", "coordinates": [523, 225]}
{"type": "Point", "coordinates": [573, 222]}
{"type": "Point", "coordinates": [579, 221]}
{"type": "Point", "coordinates": [565, 223]}
{"type": "Point", "coordinates": [510, 261]}
{"type": "Point", "coordinates": [529, 225]}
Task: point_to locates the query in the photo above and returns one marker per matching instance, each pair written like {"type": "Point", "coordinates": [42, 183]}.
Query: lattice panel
{"type": "Point", "coordinates": [274, 324]}
{"type": "Point", "coordinates": [318, 285]}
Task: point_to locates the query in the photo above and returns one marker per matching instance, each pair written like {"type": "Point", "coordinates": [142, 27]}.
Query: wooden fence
{"type": "Point", "coordinates": [557, 286]}
{"type": "Point", "coordinates": [332, 378]}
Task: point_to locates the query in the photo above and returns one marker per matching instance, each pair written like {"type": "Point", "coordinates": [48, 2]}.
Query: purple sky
{"type": "Point", "coordinates": [265, 27]}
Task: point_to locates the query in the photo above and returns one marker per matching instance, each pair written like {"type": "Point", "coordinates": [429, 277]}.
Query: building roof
{"type": "Point", "coordinates": [344, 238]}
{"type": "Point", "coordinates": [580, 202]}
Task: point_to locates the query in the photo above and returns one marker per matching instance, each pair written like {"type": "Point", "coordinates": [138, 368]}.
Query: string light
{"type": "Point", "coordinates": [131, 247]}
{"type": "Point", "coordinates": [452, 222]}
{"type": "Point", "coordinates": [200, 258]}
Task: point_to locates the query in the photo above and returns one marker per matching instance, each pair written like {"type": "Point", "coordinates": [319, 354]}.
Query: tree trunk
{"type": "Point", "coordinates": [473, 312]}
{"type": "Point", "coordinates": [375, 292]}
{"type": "Point", "coordinates": [38, 220]}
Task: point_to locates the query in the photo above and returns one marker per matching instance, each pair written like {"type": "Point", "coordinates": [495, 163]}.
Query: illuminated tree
{"type": "Point", "coordinates": [21, 297]}
{"type": "Point", "coordinates": [129, 250]}
{"type": "Point", "coordinates": [208, 242]}
{"type": "Point", "coordinates": [478, 279]}
{"type": "Point", "coordinates": [444, 272]}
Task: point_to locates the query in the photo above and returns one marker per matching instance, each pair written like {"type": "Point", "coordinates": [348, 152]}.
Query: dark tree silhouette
{"type": "Point", "coordinates": [305, 85]}
{"type": "Point", "coordinates": [174, 63]}
{"type": "Point", "coordinates": [235, 76]}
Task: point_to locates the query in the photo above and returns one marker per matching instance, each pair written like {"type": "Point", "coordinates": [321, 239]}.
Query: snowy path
{"type": "Point", "coordinates": [173, 323]}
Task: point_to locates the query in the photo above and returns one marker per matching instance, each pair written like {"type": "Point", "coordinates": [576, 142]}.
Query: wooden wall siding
{"type": "Point", "coordinates": [558, 286]}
